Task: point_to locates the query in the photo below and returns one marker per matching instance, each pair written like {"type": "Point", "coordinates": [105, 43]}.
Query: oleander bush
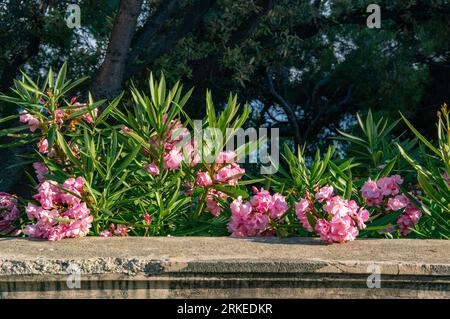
{"type": "Point", "coordinates": [134, 167]}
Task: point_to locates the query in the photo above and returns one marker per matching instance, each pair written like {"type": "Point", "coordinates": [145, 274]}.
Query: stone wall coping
{"type": "Point", "coordinates": [143, 257]}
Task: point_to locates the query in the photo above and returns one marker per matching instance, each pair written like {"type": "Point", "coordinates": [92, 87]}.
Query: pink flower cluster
{"type": "Point", "coordinates": [31, 120]}
{"type": "Point", "coordinates": [375, 191]}
{"type": "Point", "coordinates": [60, 213]}
{"type": "Point", "coordinates": [176, 146]}
{"type": "Point", "coordinates": [386, 193]}
{"type": "Point", "coordinates": [58, 116]}
{"type": "Point", "coordinates": [120, 230]}
{"type": "Point", "coordinates": [252, 218]}
{"type": "Point", "coordinates": [42, 146]}
{"type": "Point", "coordinates": [9, 212]}
{"type": "Point", "coordinates": [226, 172]}
{"type": "Point", "coordinates": [40, 170]}
{"type": "Point", "coordinates": [336, 221]}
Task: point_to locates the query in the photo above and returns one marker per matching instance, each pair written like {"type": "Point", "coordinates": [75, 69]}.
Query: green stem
{"type": "Point", "coordinates": [200, 205]}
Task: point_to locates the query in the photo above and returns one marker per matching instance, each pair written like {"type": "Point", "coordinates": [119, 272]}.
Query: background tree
{"type": "Point", "coordinates": [305, 66]}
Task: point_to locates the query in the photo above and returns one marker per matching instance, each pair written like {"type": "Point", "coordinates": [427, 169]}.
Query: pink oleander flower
{"type": "Point", "coordinates": [147, 219]}
{"type": "Point", "coordinates": [43, 146]}
{"type": "Point", "coordinates": [81, 221]}
{"type": "Point", "coordinates": [60, 214]}
{"type": "Point", "coordinates": [343, 214]}
{"type": "Point", "coordinates": [59, 116]}
{"type": "Point", "coordinates": [337, 220]}
{"type": "Point", "coordinates": [324, 194]}
{"type": "Point", "coordinates": [212, 206]}
{"type": "Point", "coordinates": [262, 201]}
{"type": "Point", "coordinates": [203, 179]}
{"type": "Point", "coordinates": [409, 219]}
{"type": "Point", "coordinates": [40, 170]}
{"type": "Point", "coordinates": [388, 192]}
{"type": "Point", "coordinates": [251, 218]}
{"type": "Point", "coordinates": [410, 216]}
{"type": "Point", "coordinates": [176, 131]}
{"type": "Point", "coordinates": [372, 193]}
{"type": "Point", "coordinates": [121, 230]}
{"type": "Point", "coordinates": [88, 118]}
{"type": "Point", "coordinates": [152, 169]}
{"type": "Point", "coordinates": [390, 185]}
{"type": "Point", "coordinates": [31, 120]}
{"type": "Point", "coordinates": [337, 206]}
{"type": "Point", "coordinates": [397, 202]}
{"type": "Point", "coordinates": [279, 206]}
{"type": "Point", "coordinates": [338, 230]}
{"type": "Point", "coordinates": [323, 228]}
{"type": "Point", "coordinates": [226, 157]}
{"type": "Point", "coordinates": [176, 143]}
{"type": "Point", "coordinates": [173, 159]}
{"type": "Point", "coordinates": [190, 155]}
{"type": "Point", "coordinates": [361, 217]}
{"type": "Point", "coordinates": [105, 233]}
{"type": "Point", "coordinates": [179, 134]}
{"type": "Point", "coordinates": [47, 195]}
{"type": "Point", "coordinates": [244, 222]}
{"type": "Point", "coordinates": [229, 174]}
{"type": "Point", "coordinates": [9, 213]}
{"type": "Point", "coordinates": [240, 208]}
{"type": "Point", "coordinates": [74, 185]}
{"type": "Point", "coordinates": [301, 208]}
{"type": "Point", "coordinates": [343, 229]}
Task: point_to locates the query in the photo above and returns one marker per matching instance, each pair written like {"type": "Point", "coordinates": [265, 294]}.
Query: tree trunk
{"type": "Point", "coordinates": [109, 78]}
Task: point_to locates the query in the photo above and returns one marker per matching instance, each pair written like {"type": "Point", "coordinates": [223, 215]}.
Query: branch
{"type": "Point", "coordinates": [162, 42]}
{"type": "Point", "coordinates": [287, 109]}
{"type": "Point", "coordinates": [323, 117]}
{"type": "Point", "coordinates": [245, 30]}
{"type": "Point", "coordinates": [154, 23]}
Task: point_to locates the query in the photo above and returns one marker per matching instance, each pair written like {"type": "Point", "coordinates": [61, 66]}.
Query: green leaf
{"type": "Point", "coordinates": [66, 149]}
{"type": "Point", "coordinates": [51, 137]}
{"type": "Point", "coordinates": [388, 168]}
{"type": "Point", "coordinates": [231, 191]}
{"type": "Point", "coordinates": [61, 77]}
{"type": "Point", "coordinates": [421, 137]}
{"type": "Point", "coordinates": [349, 186]}
{"type": "Point", "coordinates": [8, 118]}
{"type": "Point", "coordinates": [108, 109]}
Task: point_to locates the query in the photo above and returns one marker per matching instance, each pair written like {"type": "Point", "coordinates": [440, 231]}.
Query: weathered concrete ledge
{"type": "Point", "coordinates": [205, 267]}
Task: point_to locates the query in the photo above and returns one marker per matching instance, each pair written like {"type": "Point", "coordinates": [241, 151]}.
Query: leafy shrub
{"type": "Point", "coordinates": [433, 178]}
{"type": "Point", "coordinates": [137, 167]}
{"type": "Point", "coordinates": [373, 145]}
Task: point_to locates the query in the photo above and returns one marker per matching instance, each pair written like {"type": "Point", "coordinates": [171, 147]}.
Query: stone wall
{"type": "Point", "coordinates": [205, 267]}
